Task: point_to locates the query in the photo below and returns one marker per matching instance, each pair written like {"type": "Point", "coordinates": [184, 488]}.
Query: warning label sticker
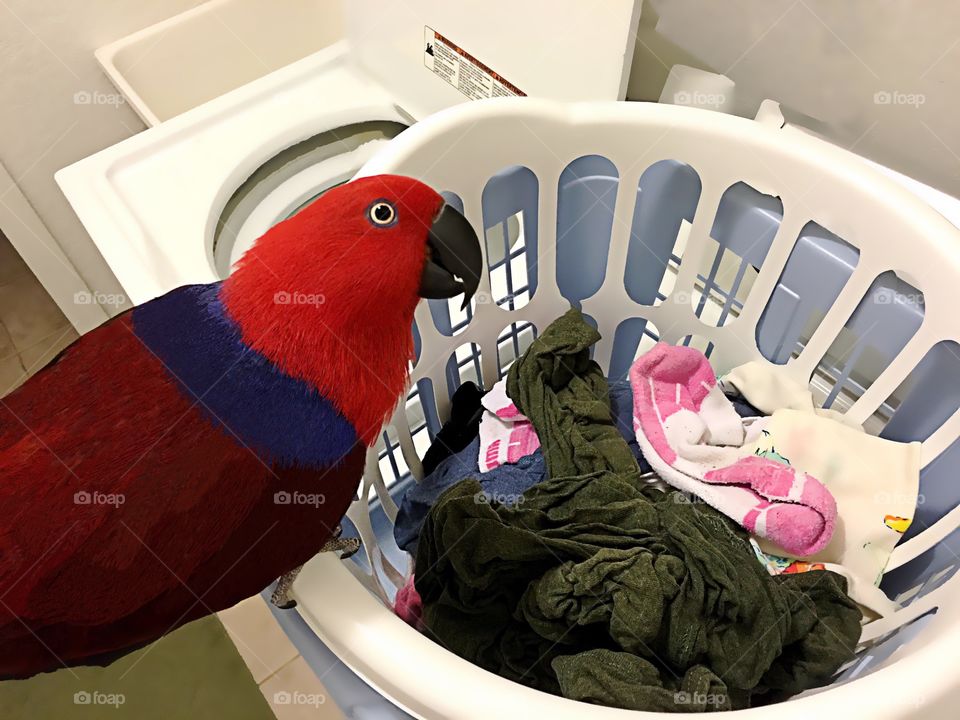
{"type": "Point", "coordinates": [462, 70]}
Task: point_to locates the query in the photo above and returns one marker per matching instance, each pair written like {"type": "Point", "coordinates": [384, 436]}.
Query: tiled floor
{"type": "Point", "coordinates": [286, 681]}
{"type": "Point", "coordinates": [32, 332]}
{"type": "Point", "coordinates": [32, 328]}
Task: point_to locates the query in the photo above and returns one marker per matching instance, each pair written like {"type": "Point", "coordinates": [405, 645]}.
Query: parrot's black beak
{"type": "Point", "coordinates": [454, 260]}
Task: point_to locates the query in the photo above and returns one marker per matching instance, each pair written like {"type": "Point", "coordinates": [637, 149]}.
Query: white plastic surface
{"type": "Point", "coordinates": [458, 150]}
{"type": "Point", "coordinates": [557, 49]}
{"type": "Point", "coordinates": [184, 61]}
{"type": "Point", "coordinates": [151, 203]}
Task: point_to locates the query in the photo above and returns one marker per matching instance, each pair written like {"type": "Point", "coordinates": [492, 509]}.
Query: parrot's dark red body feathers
{"type": "Point", "coordinates": [179, 458]}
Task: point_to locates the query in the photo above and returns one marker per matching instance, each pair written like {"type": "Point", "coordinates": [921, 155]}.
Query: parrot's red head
{"type": "Point", "coordinates": [328, 295]}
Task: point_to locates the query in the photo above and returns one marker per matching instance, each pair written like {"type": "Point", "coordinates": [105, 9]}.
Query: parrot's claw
{"type": "Point", "coordinates": [346, 547]}
{"type": "Point", "coordinates": [281, 593]}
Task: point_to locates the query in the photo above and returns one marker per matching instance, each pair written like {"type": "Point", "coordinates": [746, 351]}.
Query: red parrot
{"type": "Point", "coordinates": [183, 455]}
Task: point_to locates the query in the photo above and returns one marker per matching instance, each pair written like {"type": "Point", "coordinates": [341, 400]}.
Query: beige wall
{"type": "Point", "coordinates": [827, 59]}
{"type": "Point", "coordinates": [47, 70]}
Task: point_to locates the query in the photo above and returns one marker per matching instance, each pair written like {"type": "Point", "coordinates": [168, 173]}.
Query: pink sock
{"type": "Point", "coordinates": [408, 606]}
{"type": "Point", "coordinates": [692, 436]}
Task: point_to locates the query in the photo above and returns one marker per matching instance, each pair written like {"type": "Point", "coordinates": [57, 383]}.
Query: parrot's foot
{"type": "Point", "coordinates": [346, 547]}
{"type": "Point", "coordinates": [281, 593]}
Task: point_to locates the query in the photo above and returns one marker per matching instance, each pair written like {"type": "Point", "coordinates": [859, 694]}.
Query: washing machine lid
{"type": "Point", "coordinates": [151, 203]}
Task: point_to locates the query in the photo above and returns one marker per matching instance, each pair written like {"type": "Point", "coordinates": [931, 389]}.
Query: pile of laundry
{"type": "Point", "coordinates": [671, 543]}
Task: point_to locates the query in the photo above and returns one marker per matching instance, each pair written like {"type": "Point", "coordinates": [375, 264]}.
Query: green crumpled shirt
{"type": "Point", "coordinates": [602, 589]}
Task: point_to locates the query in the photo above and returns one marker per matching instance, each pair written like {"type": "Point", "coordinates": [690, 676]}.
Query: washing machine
{"type": "Point", "coordinates": [178, 203]}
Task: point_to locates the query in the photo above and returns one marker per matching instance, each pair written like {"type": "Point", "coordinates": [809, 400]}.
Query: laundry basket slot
{"type": "Point", "coordinates": [743, 230]}
{"type": "Point", "coordinates": [667, 197]}
{"type": "Point", "coordinates": [819, 265]}
{"type": "Point", "coordinates": [633, 337]}
{"type": "Point", "coordinates": [886, 318]}
{"type": "Point", "coordinates": [510, 235]}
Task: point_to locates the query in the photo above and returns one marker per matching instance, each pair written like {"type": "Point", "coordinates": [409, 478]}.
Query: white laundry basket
{"type": "Point", "coordinates": [671, 222]}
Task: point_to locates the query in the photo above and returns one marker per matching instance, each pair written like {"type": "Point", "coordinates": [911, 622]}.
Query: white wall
{"type": "Point", "coordinates": [827, 59]}
{"type": "Point", "coordinates": [47, 70]}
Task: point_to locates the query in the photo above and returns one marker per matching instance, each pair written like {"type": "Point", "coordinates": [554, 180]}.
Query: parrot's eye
{"type": "Point", "coordinates": [382, 213]}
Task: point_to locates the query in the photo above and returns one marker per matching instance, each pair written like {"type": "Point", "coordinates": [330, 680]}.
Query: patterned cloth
{"type": "Point", "coordinates": [696, 442]}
